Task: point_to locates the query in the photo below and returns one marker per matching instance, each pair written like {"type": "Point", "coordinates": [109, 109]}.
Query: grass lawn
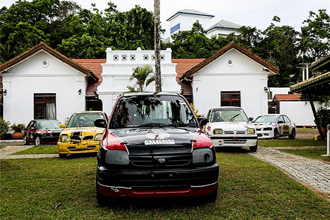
{"type": "Point", "coordinates": [39, 150]}
{"type": "Point", "coordinates": [291, 143]}
{"type": "Point", "coordinates": [310, 153]}
{"type": "Point", "coordinates": [65, 189]}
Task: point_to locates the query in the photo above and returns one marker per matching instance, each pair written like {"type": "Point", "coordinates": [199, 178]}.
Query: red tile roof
{"type": "Point", "coordinates": [287, 97]}
{"type": "Point", "coordinates": [93, 65]}
{"type": "Point", "coordinates": [225, 49]}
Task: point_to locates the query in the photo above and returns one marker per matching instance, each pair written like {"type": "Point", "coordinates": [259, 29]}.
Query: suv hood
{"type": "Point", "coordinates": [159, 137]}
{"type": "Point", "coordinates": [231, 125]}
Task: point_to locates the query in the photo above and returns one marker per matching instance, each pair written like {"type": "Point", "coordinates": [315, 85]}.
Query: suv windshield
{"type": "Point", "coordinates": [152, 111]}
{"type": "Point", "coordinates": [227, 115]}
{"type": "Point", "coordinates": [84, 119]}
{"type": "Point", "coordinates": [266, 119]}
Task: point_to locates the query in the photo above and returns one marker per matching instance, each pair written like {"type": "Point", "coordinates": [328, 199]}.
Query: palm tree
{"type": "Point", "coordinates": [141, 75]}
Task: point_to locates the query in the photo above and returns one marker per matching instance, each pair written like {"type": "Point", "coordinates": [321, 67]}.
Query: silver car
{"type": "Point", "coordinates": [274, 126]}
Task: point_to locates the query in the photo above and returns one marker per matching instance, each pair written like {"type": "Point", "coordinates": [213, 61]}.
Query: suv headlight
{"type": "Point", "coordinates": [218, 131]}
{"type": "Point", "coordinates": [251, 131]}
{"type": "Point", "coordinates": [64, 138]}
{"type": "Point", "coordinates": [98, 137]}
{"type": "Point", "coordinates": [117, 157]}
{"type": "Point", "coordinates": [202, 156]}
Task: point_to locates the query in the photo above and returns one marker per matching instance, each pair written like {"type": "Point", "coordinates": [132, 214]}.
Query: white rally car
{"type": "Point", "coordinates": [230, 127]}
{"type": "Point", "coordinates": [274, 126]}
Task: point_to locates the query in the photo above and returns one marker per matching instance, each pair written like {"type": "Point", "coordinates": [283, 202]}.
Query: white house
{"type": "Point", "coordinates": [183, 21]}
{"type": "Point", "coordinates": [42, 83]}
{"type": "Point", "coordinates": [232, 76]}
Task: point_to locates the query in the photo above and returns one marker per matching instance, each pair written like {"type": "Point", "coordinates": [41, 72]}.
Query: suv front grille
{"type": "Point", "coordinates": [160, 156]}
{"type": "Point", "coordinates": [161, 161]}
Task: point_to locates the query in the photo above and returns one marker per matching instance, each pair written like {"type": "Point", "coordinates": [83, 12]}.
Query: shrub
{"type": "Point", "coordinates": [18, 127]}
{"type": "Point", "coordinates": [4, 127]}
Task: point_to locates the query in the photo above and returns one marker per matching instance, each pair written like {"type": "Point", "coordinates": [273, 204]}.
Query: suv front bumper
{"type": "Point", "coordinates": [157, 183]}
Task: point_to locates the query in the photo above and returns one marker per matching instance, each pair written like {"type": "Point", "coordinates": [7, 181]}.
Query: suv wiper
{"type": "Point", "coordinates": [232, 118]}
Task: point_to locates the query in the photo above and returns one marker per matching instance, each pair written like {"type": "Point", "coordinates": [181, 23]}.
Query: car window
{"type": "Point", "coordinates": [84, 119]}
{"type": "Point", "coordinates": [149, 111]}
{"type": "Point", "coordinates": [48, 124]}
{"type": "Point", "coordinates": [266, 119]}
{"type": "Point", "coordinates": [287, 120]}
{"type": "Point", "coordinates": [30, 124]}
{"type": "Point", "coordinates": [227, 115]}
{"type": "Point", "coordinates": [281, 119]}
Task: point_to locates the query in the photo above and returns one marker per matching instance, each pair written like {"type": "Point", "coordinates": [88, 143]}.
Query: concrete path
{"type": "Point", "coordinates": [315, 174]}
{"type": "Point", "coordinates": [6, 153]}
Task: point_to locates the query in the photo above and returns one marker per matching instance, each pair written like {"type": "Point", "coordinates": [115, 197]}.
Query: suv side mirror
{"type": "Point", "coordinates": [101, 123]}
{"type": "Point", "coordinates": [62, 125]}
{"type": "Point", "coordinates": [202, 121]}
{"type": "Point", "coordinates": [250, 118]}
{"type": "Point", "coordinates": [280, 122]}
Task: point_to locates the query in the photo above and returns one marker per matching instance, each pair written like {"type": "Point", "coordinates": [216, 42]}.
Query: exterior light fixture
{"type": "Point", "coordinates": [4, 92]}
{"type": "Point", "coordinates": [265, 89]}
{"type": "Point", "coordinates": [79, 92]}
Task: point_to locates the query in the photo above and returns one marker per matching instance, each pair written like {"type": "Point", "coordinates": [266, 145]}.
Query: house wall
{"type": "Point", "coordinates": [219, 32]}
{"type": "Point", "coordinates": [32, 76]}
{"type": "Point", "coordinates": [119, 68]}
{"type": "Point", "coordinates": [244, 75]}
{"type": "Point", "coordinates": [299, 112]}
{"type": "Point", "coordinates": [186, 22]}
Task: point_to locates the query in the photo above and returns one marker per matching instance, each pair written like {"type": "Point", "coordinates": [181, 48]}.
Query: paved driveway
{"type": "Point", "coordinates": [315, 174]}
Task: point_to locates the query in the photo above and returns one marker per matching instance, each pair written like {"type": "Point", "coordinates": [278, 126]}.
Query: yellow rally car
{"type": "Point", "coordinates": [80, 135]}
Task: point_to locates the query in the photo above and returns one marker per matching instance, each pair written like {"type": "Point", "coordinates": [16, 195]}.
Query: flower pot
{"type": "Point", "coordinates": [17, 135]}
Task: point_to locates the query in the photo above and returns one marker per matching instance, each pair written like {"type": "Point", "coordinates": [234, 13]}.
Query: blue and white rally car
{"type": "Point", "coordinates": [230, 127]}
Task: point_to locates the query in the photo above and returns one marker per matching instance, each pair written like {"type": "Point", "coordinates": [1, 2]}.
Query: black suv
{"type": "Point", "coordinates": [153, 147]}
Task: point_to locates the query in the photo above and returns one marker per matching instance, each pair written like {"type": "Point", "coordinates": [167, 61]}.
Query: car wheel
{"type": "Point", "coordinates": [25, 141]}
{"type": "Point", "coordinates": [101, 199]}
{"type": "Point", "coordinates": [293, 134]}
{"type": "Point", "coordinates": [62, 156]}
{"type": "Point", "coordinates": [38, 141]}
{"type": "Point", "coordinates": [276, 134]}
{"type": "Point", "coordinates": [211, 197]}
{"type": "Point", "coordinates": [254, 148]}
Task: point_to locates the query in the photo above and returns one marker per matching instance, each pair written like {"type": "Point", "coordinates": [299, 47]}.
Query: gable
{"type": "Point", "coordinates": [44, 47]}
{"type": "Point", "coordinates": [234, 63]}
{"type": "Point", "coordinates": [43, 64]}
{"type": "Point", "coordinates": [268, 67]}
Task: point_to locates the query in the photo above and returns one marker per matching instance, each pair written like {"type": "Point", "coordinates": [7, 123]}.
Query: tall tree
{"type": "Point", "coordinates": [317, 29]}
{"type": "Point", "coordinates": [158, 77]}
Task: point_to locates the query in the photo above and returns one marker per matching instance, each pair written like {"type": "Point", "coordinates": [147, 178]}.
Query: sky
{"type": "Point", "coordinates": [254, 13]}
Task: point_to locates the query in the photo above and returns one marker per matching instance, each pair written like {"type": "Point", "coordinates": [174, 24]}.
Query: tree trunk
{"type": "Point", "coordinates": [158, 78]}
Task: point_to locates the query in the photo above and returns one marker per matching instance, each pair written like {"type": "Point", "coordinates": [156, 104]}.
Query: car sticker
{"type": "Point", "coordinates": [155, 142]}
{"type": "Point", "coordinates": [158, 135]}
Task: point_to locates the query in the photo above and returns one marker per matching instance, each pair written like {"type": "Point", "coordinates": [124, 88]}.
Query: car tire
{"type": "Point", "coordinates": [101, 199]}
{"type": "Point", "coordinates": [62, 156]}
{"type": "Point", "coordinates": [37, 141]}
{"type": "Point", "coordinates": [276, 134]}
{"type": "Point", "coordinates": [293, 134]}
{"type": "Point", "coordinates": [211, 197]}
{"type": "Point", "coordinates": [254, 148]}
{"type": "Point", "coordinates": [25, 141]}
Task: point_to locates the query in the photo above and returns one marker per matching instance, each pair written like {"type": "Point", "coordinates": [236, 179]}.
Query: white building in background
{"type": "Point", "coordinates": [119, 68]}
{"type": "Point", "coordinates": [183, 21]}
